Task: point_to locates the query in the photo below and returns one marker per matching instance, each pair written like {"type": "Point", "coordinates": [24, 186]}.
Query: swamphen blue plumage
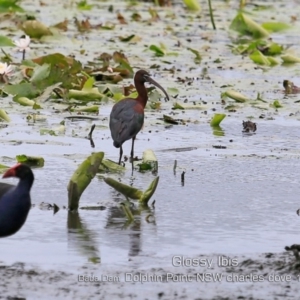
{"type": "Point", "coordinates": [15, 201]}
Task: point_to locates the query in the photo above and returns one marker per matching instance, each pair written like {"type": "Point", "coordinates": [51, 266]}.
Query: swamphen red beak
{"type": "Point", "coordinates": [11, 172]}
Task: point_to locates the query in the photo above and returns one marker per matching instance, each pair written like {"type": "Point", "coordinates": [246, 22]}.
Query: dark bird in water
{"type": "Point", "coordinates": [15, 201]}
{"type": "Point", "coordinates": [249, 126]}
{"type": "Point", "coordinates": [127, 116]}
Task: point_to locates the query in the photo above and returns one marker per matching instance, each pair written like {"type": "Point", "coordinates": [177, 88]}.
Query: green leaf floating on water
{"type": "Point", "coordinates": [274, 49]}
{"type": "Point", "coordinates": [277, 104]}
{"type": "Point", "coordinates": [46, 94]}
{"type": "Point", "coordinates": [87, 109]}
{"type": "Point", "coordinates": [4, 116]}
{"type": "Point", "coordinates": [86, 94]}
{"type": "Point", "coordinates": [273, 61]}
{"type": "Point", "coordinates": [245, 25]}
{"type": "Point", "coordinates": [275, 26]}
{"type": "Point", "coordinates": [217, 119]}
{"type": "Point", "coordinates": [290, 59]}
{"type": "Point", "coordinates": [7, 6]}
{"type": "Point", "coordinates": [35, 29]}
{"type": "Point", "coordinates": [89, 83]}
{"type": "Point", "coordinates": [198, 57]}
{"type": "Point", "coordinates": [238, 97]}
{"type": "Point", "coordinates": [158, 51]}
{"type": "Point", "coordinates": [5, 41]}
{"type": "Point", "coordinates": [176, 105]}
{"type": "Point", "coordinates": [172, 91]}
{"type": "Point", "coordinates": [131, 192]}
{"type": "Point", "coordinates": [192, 5]}
{"type": "Point", "coordinates": [127, 38]}
{"type": "Point", "coordinates": [40, 72]}
{"type": "Point", "coordinates": [262, 59]}
{"type": "Point", "coordinates": [82, 178]}
{"type": "Point", "coordinates": [83, 5]}
{"type": "Point", "coordinates": [24, 89]}
{"type": "Point", "coordinates": [45, 131]}
{"type": "Point", "coordinates": [108, 165]}
{"type": "Point", "coordinates": [149, 161]}
{"type": "Point", "coordinates": [259, 58]}
{"type": "Point", "coordinates": [36, 161]}
{"type": "Point", "coordinates": [24, 101]}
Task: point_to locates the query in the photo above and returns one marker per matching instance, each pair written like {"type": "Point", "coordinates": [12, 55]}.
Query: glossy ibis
{"type": "Point", "coordinates": [127, 116]}
{"type": "Point", "coordinates": [15, 201]}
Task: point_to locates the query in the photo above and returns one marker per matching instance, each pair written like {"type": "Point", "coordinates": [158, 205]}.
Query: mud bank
{"type": "Point", "coordinates": [260, 276]}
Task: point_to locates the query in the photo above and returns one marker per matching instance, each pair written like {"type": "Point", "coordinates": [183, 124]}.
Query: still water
{"type": "Point", "coordinates": [239, 199]}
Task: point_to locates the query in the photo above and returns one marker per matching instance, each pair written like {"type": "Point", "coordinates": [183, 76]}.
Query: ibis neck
{"type": "Point", "coordinates": [142, 93]}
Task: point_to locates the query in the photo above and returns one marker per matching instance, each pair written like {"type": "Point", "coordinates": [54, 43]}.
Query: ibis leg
{"type": "Point", "coordinates": [121, 153]}
{"type": "Point", "coordinates": [132, 148]}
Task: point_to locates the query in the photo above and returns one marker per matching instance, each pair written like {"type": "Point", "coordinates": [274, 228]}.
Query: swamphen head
{"type": "Point", "coordinates": [20, 171]}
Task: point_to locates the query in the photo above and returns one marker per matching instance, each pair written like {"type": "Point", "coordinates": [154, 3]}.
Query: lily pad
{"type": "Point", "coordinates": [25, 89]}
{"type": "Point", "coordinates": [40, 72]}
{"type": "Point", "coordinates": [5, 41]}
{"type": "Point", "coordinates": [35, 29]}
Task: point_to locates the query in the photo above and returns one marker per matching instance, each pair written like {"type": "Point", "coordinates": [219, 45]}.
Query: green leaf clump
{"type": "Point", "coordinates": [217, 119]}
{"type": "Point", "coordinates": [246, 26]}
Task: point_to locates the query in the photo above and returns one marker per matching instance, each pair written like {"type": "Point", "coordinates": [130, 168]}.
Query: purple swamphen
{"type": "Point", "coordinates": [15, 201]}
{"type": "Point", "coordinates": [127, 116]}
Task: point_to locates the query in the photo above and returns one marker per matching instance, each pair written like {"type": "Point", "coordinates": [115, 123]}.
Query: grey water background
{"type": "Point", "coordinates": [241, 199]}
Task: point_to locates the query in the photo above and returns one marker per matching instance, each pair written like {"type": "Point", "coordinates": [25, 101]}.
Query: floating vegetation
{"type": "Point", "coordinates": [35, 161]}
{"type": "Point", "coordinates": [82, 178]}
{"type": "Point", "coordinates": [217, 119]}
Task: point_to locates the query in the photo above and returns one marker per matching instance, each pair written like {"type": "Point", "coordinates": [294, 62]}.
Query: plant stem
{"type": "Point", "coordinates": [211, 15]}
{"type": "Point", "coordinates": [242, 4]}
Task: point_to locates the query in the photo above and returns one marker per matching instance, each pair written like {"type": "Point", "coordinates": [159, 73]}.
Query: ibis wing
{"type": "Point", "coordinates": [125, 121]}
